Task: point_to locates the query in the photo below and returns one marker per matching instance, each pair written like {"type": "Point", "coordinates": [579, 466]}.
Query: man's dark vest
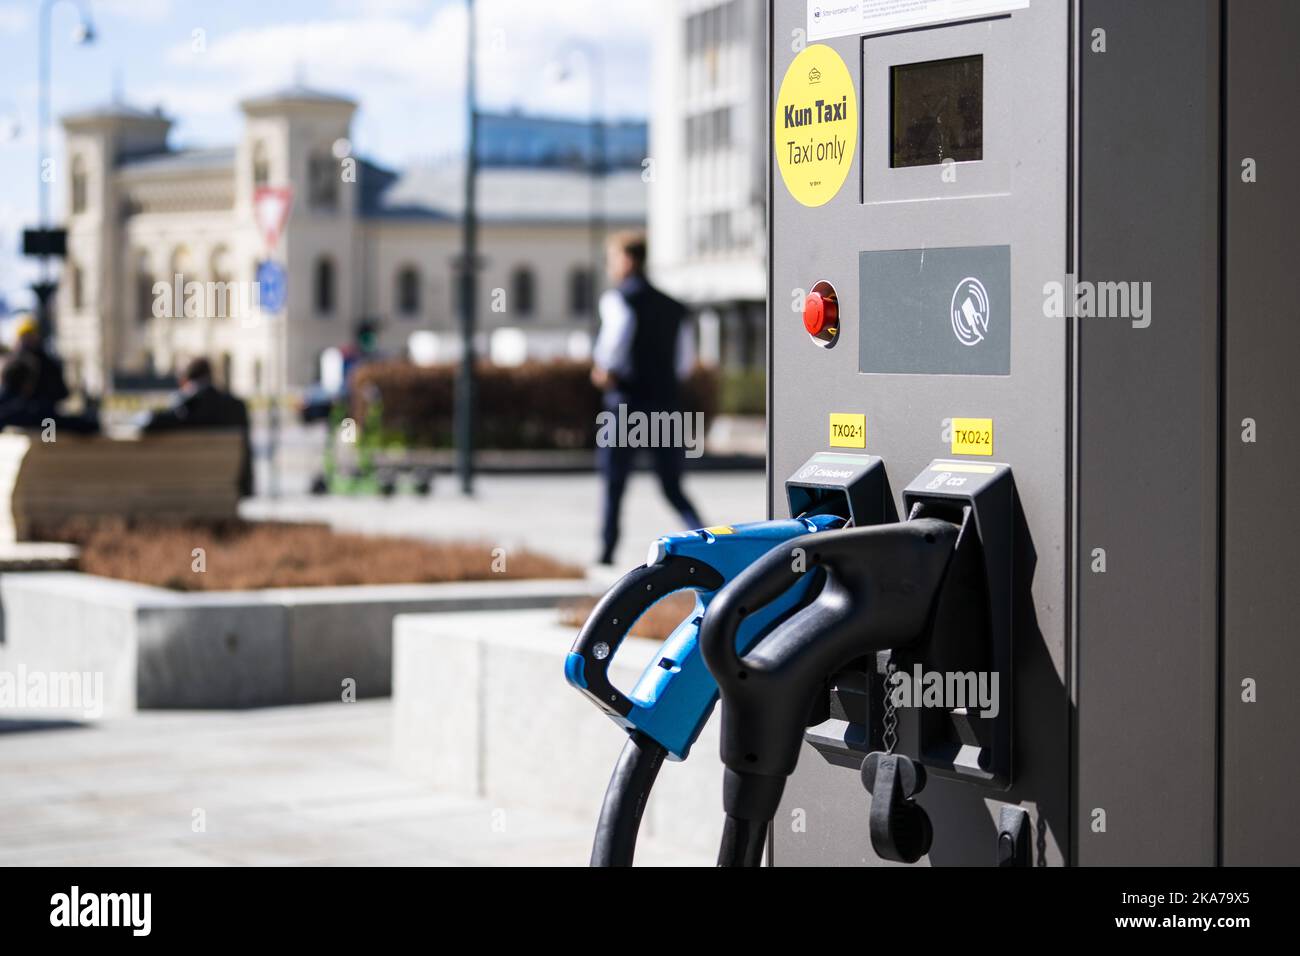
{"type": "Point", "coordinates": [648, 375]}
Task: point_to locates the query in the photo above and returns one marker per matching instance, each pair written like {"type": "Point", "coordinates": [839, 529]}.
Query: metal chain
{"type": "Point", "coordinates": [890, 736]}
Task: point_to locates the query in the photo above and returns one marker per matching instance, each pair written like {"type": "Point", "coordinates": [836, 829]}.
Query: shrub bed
{"type": "Point", "coordinates": [657, 623]}
{"type": "Point", "coordinates": [537, 405]}
{"type": "Point", "coordinates": [744, 392]}
{"type": "Point", "coordinates": [246, 555]}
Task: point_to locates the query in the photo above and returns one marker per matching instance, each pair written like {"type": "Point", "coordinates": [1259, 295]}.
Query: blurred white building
{"type": "Point", "coordinates": [708, 197]}
{"type": "Point", "coordinates": [363, 244]}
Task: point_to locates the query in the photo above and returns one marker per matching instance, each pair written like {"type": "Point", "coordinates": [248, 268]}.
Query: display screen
{"type": "Point", "coordinates": [937, 111]}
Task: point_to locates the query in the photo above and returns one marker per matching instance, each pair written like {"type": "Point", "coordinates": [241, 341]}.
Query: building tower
{"type": "Point", "coordinates": [299, 137]}
{"type": "Point", "coordinates": [89, 318]}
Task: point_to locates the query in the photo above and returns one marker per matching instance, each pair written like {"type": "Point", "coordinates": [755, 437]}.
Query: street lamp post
{"type": "Point", "coordinates": [83, 34]}
{"type": "Point", "coordinates": [465, 385]}
{"type": "Point", "coordinates": [594, 61]}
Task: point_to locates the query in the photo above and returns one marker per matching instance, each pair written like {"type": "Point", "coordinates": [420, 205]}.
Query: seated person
{"type": "Point", "coordinates": [17, 408]}
{"type": "Point", "coordinates": [46, 386]}
{"type": "Point", "coordinates": [200, 404]}
{"type": "Point", "coordinates": [20, 408]}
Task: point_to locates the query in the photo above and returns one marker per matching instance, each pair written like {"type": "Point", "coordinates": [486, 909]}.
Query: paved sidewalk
{"type": "Point", "coordinates": [311, 785]}
{"type": "Point", "coordinates": [555, 514]}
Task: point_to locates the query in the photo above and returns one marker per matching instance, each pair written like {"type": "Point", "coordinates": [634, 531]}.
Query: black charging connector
{"type": "Point", "coordinates": [931, 592]}
{"type": "Point", "coordinates": [881, 586]}
{"type": "Point", "coordinates": [968, 646]}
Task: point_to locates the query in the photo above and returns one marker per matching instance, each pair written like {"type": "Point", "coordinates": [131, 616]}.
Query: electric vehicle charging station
{"type": "Point", "coordinates": [1035, 276]}
{"type": "Point", "coordinates": [1049, 244]}
{"type": "Point", "coordinates": [665, 711]}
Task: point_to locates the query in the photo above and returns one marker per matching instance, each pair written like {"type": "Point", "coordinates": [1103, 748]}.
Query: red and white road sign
{"type": "Point", "coordinates": [271, 205]}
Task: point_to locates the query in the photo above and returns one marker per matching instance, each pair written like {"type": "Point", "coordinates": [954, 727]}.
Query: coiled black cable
{"type": "Point", "coordinates": [625, 799]}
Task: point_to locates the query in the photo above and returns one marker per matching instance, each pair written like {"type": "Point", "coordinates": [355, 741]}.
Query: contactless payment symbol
{"type": "Point", "coordinates": [970, 311]}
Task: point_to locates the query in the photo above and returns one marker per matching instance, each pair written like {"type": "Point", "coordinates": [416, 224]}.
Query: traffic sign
{"type": "Point", "coordinates": [271, 205]}
{"type": "Point", "coordinates": [272, 285]}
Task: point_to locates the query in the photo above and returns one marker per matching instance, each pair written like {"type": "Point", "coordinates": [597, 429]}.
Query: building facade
{"type": "Point", "coordinates": [708, 196]}
{"type": "Point", "coordinates": [164, 245]}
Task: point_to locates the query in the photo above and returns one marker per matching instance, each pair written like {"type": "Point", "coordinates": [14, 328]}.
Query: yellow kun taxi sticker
{"type": "Point", "coordinates": [815, 128]}
{"type": "Point", "coordinates": [848, 431]}
{"type": "Point", "coordinates": [972, 436]}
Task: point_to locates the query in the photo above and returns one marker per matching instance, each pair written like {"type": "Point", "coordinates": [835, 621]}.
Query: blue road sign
{"type": "Point", "coordinates": [272, 285]}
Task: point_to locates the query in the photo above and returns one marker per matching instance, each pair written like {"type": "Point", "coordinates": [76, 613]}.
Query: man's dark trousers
{"type": "Point", "coordinates": [616, 464]}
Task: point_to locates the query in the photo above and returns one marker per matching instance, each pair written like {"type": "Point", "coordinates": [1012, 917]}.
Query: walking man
{"type": "Point", "coordinates": [642, 354]}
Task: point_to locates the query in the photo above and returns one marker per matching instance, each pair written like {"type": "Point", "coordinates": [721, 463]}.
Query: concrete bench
{"type": "Point", "coordinates": [480, 708]}
{"type": "Point", "coordinates": [154, 648]}
{"type": "Point", "coordinates": [185, 475]}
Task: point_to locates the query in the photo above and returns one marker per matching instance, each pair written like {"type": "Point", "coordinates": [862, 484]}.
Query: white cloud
{"type": "Point", "coordinates": [341, 54]}
{"type": "Point", "coordinates": [150, 10]}
{"type": "Point", "coordinates": [13, 18]}
{"type": "Point", "coordinates": [374, 8]}
{"type": "Point", "coordinates": [517, 41]}
{"type": "Point", "coordinates": [524, 39]}
{"type": "Point", "coordinates": [181, 102]}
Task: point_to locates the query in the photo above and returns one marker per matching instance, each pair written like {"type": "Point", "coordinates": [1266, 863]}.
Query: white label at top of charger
{"type": "Point", "coordinates": [837, 18]}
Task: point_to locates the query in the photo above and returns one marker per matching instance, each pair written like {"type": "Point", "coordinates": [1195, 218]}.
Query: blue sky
{"type": "Point", "coordinates": [402, 59]}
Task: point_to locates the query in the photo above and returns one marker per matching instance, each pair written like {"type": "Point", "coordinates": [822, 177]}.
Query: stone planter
{"type": "Point", "coordinates": [166, 649]}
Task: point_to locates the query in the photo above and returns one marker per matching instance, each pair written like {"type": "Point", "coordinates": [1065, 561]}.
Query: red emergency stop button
{"type": "Point", "coordinates": [814, 313]}
{"type": "Point", "coordinates": [821, 314]}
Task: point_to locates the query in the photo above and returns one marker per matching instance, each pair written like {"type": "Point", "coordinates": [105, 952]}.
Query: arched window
{"type": "Point", "coordinates": [261, 165]}
{"type": "Point", "coordinates": [323, 181]}
{"type": "Point", "coordinates": [75, 286]}
{"type": "Point", "coordinates": [219, 264]}
{"type": "Point", "coordinates": [144, 295]}
{"type": "Point", "coordinates": [522, 299]}
{"type": "Point", "coordinates": [182, 263]}
{"type": "Point", "coordinates": [183, 266]}
{"type": "Point", "coordinates": [323, 286]}
{"type": "Point", "coordinates": [580, 291]}
{"type": "Point", "coordinates": [408, 292]}
{"type": "Point", "coordinates": [223, 297]}
{"type": "Point", "coordinates": [78, 184]}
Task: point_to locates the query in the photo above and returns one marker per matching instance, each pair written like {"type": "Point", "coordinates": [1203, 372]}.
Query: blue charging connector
{"type": "Point", "coordinates": [674, 696]}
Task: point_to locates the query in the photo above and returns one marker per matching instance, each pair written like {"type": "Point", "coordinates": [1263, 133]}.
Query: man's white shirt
{"type": "Point", "coordinates": [617, 328]}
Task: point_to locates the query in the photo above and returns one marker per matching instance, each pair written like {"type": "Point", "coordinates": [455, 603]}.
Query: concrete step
{"type": "Point", "coordinates": [126, 645]}
{"type": "Point", "coordinates": [481, 708]}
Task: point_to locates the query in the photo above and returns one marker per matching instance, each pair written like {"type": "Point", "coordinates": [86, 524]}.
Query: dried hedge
{"type": "Point", "coordinates": [537, 405]}
{"type": "Point", "coordinates": [656, 623]}
{"type": "Point", "coordinates": [243, 555]}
